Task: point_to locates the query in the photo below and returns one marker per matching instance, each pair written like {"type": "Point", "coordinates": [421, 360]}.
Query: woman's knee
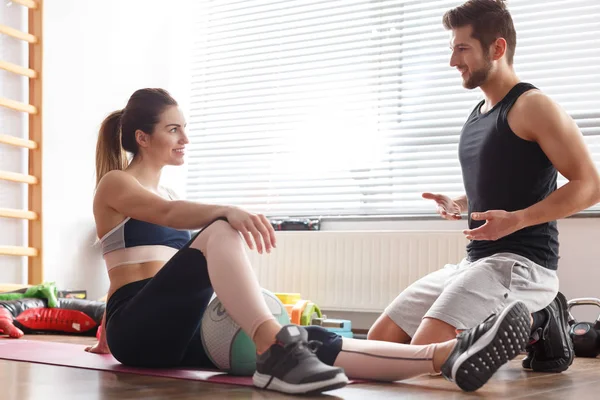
{"type": "Point", "coordinates": [218, 231]}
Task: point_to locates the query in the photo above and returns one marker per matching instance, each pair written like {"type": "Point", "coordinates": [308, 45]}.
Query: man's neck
{"type": "Point", "coordinates": [496, 88]}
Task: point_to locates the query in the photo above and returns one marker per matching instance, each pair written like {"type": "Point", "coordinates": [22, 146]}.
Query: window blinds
{"type": "Point", "coordinates": [350, 107]}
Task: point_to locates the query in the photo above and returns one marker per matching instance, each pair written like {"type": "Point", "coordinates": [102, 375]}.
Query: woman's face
{"type": "Point", "coordinates": [167, 144]}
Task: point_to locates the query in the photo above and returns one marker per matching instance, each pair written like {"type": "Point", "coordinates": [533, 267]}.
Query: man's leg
{"type": "Point", "coordinates": [433, 330]}
{"type": "Point", "coordinates": [401, 319]}
{"type": "Point", "coordinates": [385, 329]}
{"type": "Point", "coordinates": [485, 287]}
{"type": "Point", "coordinates": [550, 348]}
{"type": "Point", "coordinates": [476, 290]}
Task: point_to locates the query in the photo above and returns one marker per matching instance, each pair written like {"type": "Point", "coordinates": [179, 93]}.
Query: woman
{"type": "Point", "coordinates": [162, 278]}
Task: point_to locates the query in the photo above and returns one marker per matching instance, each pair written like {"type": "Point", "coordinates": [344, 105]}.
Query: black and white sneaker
{"type": "Point", "coordinates": [482, 350]}
{"type": "Point", "coordinates": [550, 348]}
{"type": "Point", "coordinates": [291, 366]}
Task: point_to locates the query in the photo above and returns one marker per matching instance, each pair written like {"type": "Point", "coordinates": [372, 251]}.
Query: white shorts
{"type": "Point", "coordinates": [465, 294]}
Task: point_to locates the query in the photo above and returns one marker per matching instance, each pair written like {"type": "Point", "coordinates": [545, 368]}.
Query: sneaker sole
{"type": "Point", "coordinates": [337, 382]}
{"type": "Point", "coordinates": [503, 342]}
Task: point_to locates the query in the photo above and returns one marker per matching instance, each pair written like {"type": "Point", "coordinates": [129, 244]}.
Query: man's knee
{"type": "Point", "coordinates": [384, 329]}
{"type": "Point", "coordinates": [433, 330]}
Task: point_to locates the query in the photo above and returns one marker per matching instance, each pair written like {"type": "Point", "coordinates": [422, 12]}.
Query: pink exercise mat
{"type": "Point", "coordinates": [74, 355]}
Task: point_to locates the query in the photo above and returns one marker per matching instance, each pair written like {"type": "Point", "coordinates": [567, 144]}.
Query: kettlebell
{"type": "Point", "coordinates": [585, 335]}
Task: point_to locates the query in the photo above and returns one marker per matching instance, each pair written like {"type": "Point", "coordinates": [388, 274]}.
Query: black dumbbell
{"type": "Point", "coordinates": [585, 335]}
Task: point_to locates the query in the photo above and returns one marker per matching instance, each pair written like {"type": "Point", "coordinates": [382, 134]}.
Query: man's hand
{"type": "Point", "coordinates": [498, 223]}
{"type": "Point", "coordinates": [446, 207]}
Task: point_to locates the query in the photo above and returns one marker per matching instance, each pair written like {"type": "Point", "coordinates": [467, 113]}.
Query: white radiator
{"type": "Point", "coordinates": [354, 271]}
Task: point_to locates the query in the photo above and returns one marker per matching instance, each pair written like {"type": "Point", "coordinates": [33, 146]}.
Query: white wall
{"type": "Point", "coordinates": [96, 54]}
{"type": "Point", "coordinates": [13, 232]}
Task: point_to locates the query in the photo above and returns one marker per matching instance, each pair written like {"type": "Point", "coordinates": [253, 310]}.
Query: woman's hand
{"type": "Point", "coordinates": [7, 326]}
{"type": "Point", "coordinates": [98, 348]}
{"type": "Point", "coordinates": [255, 228]}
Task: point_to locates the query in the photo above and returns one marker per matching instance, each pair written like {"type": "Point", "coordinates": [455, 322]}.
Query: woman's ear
{"type": "Point", "coordinates": [142, 138]}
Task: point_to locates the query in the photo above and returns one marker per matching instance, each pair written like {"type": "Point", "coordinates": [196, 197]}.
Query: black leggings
{"type": "Point", "coordinates": [155, 323]}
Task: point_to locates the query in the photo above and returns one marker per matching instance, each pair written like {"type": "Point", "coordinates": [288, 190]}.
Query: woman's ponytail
{"type": "Point", "coordinates": [110, 154]}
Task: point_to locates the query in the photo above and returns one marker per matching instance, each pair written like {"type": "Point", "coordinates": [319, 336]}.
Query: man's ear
{"type": "Point", "coordinates": [498, 49]}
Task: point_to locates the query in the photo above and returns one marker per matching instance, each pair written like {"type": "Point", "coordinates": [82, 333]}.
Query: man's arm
{"type": "Point", "coordinates": [542, 120]}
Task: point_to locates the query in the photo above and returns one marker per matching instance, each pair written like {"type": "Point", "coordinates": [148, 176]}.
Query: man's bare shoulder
{"type": "Point", "coordinates": [532, 113]}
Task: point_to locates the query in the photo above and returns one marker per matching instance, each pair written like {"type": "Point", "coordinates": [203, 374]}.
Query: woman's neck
{"type": "Point", "coordinates": [147, 173]}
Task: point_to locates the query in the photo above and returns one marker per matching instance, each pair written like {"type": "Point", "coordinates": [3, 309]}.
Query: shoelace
{"type": "Point", "coordinates": [296, 349]}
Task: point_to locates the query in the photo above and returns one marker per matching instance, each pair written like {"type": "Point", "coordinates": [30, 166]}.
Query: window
{"type": "Point", "coordinates": [350, 107]}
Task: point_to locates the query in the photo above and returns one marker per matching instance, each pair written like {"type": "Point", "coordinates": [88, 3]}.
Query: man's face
{"type": "Point", "coordinates": [473, 63]}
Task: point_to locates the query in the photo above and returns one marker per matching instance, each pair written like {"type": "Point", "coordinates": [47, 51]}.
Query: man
{"type": "Point", "coordinates": [511, 148]}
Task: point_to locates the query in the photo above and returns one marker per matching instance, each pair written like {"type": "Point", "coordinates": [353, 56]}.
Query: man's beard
{"type": "Point", "coordinates": [478, 77]}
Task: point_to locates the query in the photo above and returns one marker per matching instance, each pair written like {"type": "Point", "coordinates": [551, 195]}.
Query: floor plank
{"type": "Point", "coordinates": [24, 381]}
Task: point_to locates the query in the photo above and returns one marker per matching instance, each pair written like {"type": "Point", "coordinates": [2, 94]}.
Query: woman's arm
{"type": "Point", "coordinates": [123, 193]}
{"type": "Point", "coordinates": [101, 347]}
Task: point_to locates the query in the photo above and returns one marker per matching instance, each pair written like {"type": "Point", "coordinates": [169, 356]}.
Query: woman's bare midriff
{"type": "Point", "coordinates": [124, 274]}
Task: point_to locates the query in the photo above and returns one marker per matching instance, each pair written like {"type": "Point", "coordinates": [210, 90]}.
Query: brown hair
{"type": "Point", "coordinates": [117, 132]}
{"type": "Point", "coordinates": [490, 20]}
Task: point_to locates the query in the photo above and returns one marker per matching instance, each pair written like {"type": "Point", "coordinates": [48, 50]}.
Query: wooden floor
{"type": "Point", "coordinates": [23, 381]}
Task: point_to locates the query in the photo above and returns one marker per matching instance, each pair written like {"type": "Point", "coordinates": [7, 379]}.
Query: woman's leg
{"type": "Point", "coordinates": [386, 361]}
{"type": "Point", "coordinates": [235, 283]}
{"type": "Point", "coordinates": [158, 325]}
{"type": "Point", "coordinates": [175, 299]}
{"type": "Point", "coordinates": [285, 363]}
{"type": "Point", "coordinates": [470, 360]}
{"type": "Point", "coordinates": [379, 360]}
{"type": "Point", "coordinates": [153, 323]}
